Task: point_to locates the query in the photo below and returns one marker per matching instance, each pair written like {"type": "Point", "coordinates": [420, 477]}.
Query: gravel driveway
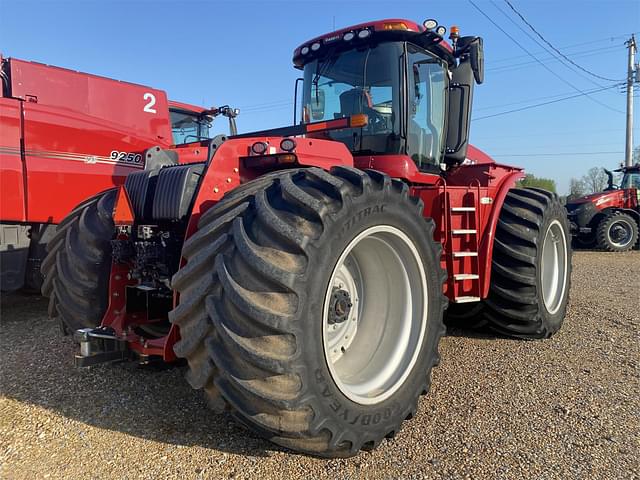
{"type": "Point", "coordinates": [563, 408]}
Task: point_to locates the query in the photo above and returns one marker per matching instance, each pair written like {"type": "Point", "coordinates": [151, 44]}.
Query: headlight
{"type": "Point", "coordinates": [288, 144]}
{"type": "Point", "coordinates": [347, 37]}
{"type": "Point", "coordinates": [364, 33]}
{"type": "Point", "coordinates": [315, 46]}
{"type": "Point", "coordinates": [304, 50]}
{"type": "Point", "coordinates": [259, 148]}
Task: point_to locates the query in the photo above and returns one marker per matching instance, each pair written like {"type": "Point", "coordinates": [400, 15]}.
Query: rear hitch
{"type": "Point", "coordinates": [99, 345]}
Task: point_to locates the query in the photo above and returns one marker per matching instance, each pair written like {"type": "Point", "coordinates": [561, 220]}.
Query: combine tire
{"type": "Point", "coordinates": [76, 268]}
{"type": "Point", "coordinates": [531, 267]}
{"type": "Point", "coordinates": [311, 305]}
{"type": "Point", "coordinates": [617, 232]}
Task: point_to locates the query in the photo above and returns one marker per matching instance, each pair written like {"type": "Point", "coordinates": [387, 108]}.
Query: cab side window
{"type": "Point", "coordinates": [427, 90]}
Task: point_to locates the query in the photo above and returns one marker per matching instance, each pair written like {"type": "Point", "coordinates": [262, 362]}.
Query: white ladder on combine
{"type": "Point", "coordinates": [470, 231]}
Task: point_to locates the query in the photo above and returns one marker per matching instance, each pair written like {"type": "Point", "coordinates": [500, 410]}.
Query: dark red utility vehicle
{"type": "Point", "coordinates": [303, 272]}
{"type": "Point", "coordinates": [66, 135]}
{"type": "Point", "coordinates": [609, 220]}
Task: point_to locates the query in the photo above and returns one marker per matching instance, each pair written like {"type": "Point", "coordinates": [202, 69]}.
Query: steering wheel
{"type": "Point", "coordinates": [377, 122]}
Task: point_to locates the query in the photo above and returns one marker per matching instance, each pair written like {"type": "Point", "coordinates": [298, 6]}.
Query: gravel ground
{"type": "Point", "coordinates": [563, 408]}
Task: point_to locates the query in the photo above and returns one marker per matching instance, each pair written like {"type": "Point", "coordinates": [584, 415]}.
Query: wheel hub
{"type": "Point", "coordinates": [340, 306]}
{"type": "Point", "coordinates": [620, 234]}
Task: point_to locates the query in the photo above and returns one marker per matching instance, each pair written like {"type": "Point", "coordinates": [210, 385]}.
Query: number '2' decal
{"type": "Point", "coordinates": [151, 98]}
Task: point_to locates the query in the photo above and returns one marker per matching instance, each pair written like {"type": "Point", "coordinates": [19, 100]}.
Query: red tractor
{"type": "Point", "coordinates": [65, 135]}
{"type": "Point", "coordinates": [303, 272]}
{"type": "Point", "coordinates": [609, 220]}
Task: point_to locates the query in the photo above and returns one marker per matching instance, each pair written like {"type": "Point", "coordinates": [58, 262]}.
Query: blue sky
{"type": "Point", "coordinates": [239, 52]}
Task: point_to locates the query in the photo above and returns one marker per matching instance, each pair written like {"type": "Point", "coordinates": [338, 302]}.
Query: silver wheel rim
{"type": "Point", "coordinates": [554, 267]}
{"type": "Point", "coordinates": [375, 314]}
{"type": "Point", "coordinates": [620, 233]}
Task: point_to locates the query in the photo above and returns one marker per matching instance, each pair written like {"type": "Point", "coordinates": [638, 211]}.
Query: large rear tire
{"type": "Point", "coordinates": [311, 304]}
{"type": "Point", "coordinates": [617, 232]}
{"type": "Point", "coordinates": [77, 266]}
{"type": "Point", "coordinates": [531, 266]}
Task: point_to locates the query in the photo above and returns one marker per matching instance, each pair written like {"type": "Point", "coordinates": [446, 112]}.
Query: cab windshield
{"type": "Point", "coordinates": [631, 180]}
{"type": "Point", "coordinates": [370, 81]}
{"type": "Point", "coordinates": [189, 126]}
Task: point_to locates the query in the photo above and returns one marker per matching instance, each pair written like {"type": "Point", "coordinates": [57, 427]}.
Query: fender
{"type": "Point", "coordinates": [486, 245]}
{"type": "Point", "coordinates": [629, 211]}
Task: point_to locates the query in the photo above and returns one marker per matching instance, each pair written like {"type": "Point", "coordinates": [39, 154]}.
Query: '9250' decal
{"type": "Point", "coordinates": [126, 157]}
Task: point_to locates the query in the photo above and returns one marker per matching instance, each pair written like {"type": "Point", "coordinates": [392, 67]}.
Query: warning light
{"type": "Point", "coordinates": [455, 33]}
{"type": "Point", "coordinates": [395, 26]}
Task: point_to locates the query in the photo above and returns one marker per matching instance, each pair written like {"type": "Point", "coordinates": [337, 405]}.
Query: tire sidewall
{"type": "Point", "coordinates": [383, 207]}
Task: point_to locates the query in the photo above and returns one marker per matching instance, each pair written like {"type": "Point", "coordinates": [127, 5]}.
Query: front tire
{"type": "Point", "coordinates": [531, 266]}
{"type": "Point", "coordinates": [617, 232]}
{"type": "Point", "coordinates": [77, 266]}
{"type": "Point", "coordinates": [274, 271]}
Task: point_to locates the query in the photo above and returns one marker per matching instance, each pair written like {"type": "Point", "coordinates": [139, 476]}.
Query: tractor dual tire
{"type": "Point", "coordinates": [466, 316]}
{"type": "Point", "coordinates": [617, 232]}
{"type": "Point", "coordinates": [253, 306]}
{"type": "Point", "coordinates": [529, 290]}
{"type": "Point", "coordinates": [78, 262]}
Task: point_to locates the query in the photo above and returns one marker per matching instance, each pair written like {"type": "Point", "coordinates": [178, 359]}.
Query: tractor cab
{"type": "Point", "coordinates": [630, 177]}
{"type": "Point", "coordinates": [190, 123]}
{"type": "Point", "coordinates": [414, 88]}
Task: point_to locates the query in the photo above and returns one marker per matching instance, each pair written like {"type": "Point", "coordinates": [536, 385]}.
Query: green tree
{"type": "Point", "coordinates": [532, 181]}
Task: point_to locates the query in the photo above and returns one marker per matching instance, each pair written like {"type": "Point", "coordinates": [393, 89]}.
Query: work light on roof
{"type": "Point", "coordinates": [429, 24]}
{"type": "Point", "coordinates": [347, 37]}
{"type": "Point", "coordinates": [441, 30]}
{"type": "Point", "coordinates": [304, 50]}
{"type": "Point", "coordinates": [364, 33]}
{"type": "Point", "coordinates": [315, 46]}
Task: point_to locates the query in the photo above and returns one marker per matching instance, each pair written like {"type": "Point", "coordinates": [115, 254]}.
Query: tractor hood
{"type": "Point", "coordinates": [599, 198]}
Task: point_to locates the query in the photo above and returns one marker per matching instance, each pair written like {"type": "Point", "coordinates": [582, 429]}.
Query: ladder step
{"type": "Point", "coordinates": [465, 254]}
{"type": "Point", "coordinates": [466, 299]}
{"type": "Point", "coordinates": [463, 209]}
{"type": "Point", "coordinates": [464, 231]}
{"type": "Point", "coordinates": [466, 276]}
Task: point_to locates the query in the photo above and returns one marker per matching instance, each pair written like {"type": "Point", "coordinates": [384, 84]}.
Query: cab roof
{"type": "Point", "coordinates": [390, 29]}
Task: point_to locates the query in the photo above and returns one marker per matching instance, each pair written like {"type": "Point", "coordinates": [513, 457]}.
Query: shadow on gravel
{"type": "Point", "coordinates": [478, 334]}
{"type": "Point", "coordinates": [154, 403]}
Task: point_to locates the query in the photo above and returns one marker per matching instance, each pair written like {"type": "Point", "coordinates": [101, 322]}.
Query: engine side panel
{"type": "Point", "coordinates": [12, 179]}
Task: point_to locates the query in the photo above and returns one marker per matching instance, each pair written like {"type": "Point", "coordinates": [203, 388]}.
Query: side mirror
{"type": "Point", "coordinates": [317, 103]}
{"type": "Point", "coordinates": [477, 60]}
{"type": "Point", "coordinates": [473, 47]}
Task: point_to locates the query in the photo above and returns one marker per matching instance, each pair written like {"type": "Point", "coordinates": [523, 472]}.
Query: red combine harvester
{"type": "Point", "coordinates": [303, 272]}
{"type": "Point", "coordinates": [65, 135]}
{"type": "Point", "coordinates": [609, 220]}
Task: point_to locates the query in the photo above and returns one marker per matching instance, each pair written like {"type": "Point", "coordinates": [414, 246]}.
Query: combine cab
{"type": "Point", "coordinates": [66, 135]}
{"type": "Point", "coordinates": [303, 272]}
{"type": "Point", "coordinates": [609, 220]}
